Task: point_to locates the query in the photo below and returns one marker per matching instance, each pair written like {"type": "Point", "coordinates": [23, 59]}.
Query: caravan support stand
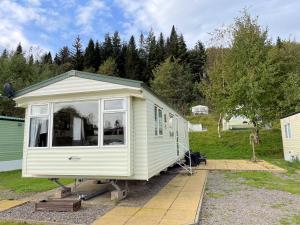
{"type": "Point", "coordinates": [64, 191]}
{"type": "Point", "coordinates": [119, 193]}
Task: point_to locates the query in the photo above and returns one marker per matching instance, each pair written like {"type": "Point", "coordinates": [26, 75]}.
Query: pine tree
{"type": "Point", "coordinates": [4, 54]}
{"type": "Point", "coordinates": [19, 49]}
{"type": "Point", "coordinates": [46, 58]}
{"type": "Point", "coordinates": [160, 45]}
{"type": "Point", "coordinates": [122, 61]}
{"type": "Point", "coordinates": [89, 55]}
{"type": "Point", "coordinates": [182, 49]}
{"type": "Point", "coordinates": [172, 44]}
{"type": "Point", "coordinates": [131, 63]}
{"type": "Point", "coordinates": [30, 60]}
{"type": "Point", "coordinates": [107, 47]}
{"type": "Point", "coordinates": [50, 61]}
{"type": "Point", "coordinates": [77, 54]}
{"type": "Point", "coordinates": [64, 55]}
{"type": "Point", "coordinates": [117, 53]}
{"type": "Point", "coordinates": [56, 59]}
{"type": "Point", "coordinates": [196, 60]}
{"type": "Point", "coordinates": [116, 45]}
{"type": "Point", "coordinates": [97, 56]}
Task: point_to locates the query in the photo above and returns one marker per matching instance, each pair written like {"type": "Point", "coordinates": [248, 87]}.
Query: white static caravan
{"type": "Point", "coordinates": [84, 125]}
{"type": "Point", "coordinates": [236, 122]}
{"type": "Point", "coordinates": [290, 131]}
{"type": "Point", "coordinates": [200, 109]}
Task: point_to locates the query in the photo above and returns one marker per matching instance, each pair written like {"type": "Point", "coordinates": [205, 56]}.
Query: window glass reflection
{"type": "Point", "coordinates": [75, 124]}
{"type": "Point", "coordinates": [113, 128]}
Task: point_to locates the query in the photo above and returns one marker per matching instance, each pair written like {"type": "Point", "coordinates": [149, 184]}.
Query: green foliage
{"type": "Point", "coordinates": [108, 67]}
{"type": "Point", "coordinates": [250, 77]}
{"type": "Point", "coordinates": [173, 82]}
{"type": "Point", "coordinates": [13, 181]}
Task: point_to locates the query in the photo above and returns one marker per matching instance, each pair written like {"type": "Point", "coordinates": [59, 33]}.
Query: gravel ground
{"type": "Point", "coordinates": [228, 202]}
{"type": "Point", "coordinates": [7, 194]}
{"type": "Point", "coordinates": [139, 194]}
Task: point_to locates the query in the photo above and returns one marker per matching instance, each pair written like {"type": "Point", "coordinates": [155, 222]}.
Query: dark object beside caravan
{"type": "Point", "coordinates": [196, 158]}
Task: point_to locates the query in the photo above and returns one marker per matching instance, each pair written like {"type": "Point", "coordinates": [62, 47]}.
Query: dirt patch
{"type": "Point", "coordinates": [242, 204]}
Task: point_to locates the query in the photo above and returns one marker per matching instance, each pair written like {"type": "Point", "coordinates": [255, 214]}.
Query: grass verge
{"type": "Point", "coordinates": [13, 181]}
{"type": "Point", "coordinates": [7, 222]}
{"type": "Point", "coordinates": [290, 220]}
{"type": "Point", "coordinates": [267, 180]}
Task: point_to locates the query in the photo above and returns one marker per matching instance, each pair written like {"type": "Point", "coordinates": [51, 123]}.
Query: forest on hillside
{"type": "Point", "coordinates": [242, 73]}
{"type": "Point", "coordinates": [132, 59]}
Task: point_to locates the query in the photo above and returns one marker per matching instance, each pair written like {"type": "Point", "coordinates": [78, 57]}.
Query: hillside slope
{"type": "Point", "coordinates": [233, 144]}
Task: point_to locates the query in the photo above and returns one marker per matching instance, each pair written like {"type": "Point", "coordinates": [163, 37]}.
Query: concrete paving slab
{"type": "Point", "coordinates": [179, 202]}
{"type": "Point", "coordinates": [239, 165]}
{"type": "Point", "coordinates": [8, 204]}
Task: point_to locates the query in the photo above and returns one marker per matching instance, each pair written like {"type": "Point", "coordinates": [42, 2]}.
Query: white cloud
{"type": "Point", "coordinates": [14, 17]}
{"type": "Point", "coordinates": [196, 18]}
{"type": "Point", "coordinates": [88, 12]}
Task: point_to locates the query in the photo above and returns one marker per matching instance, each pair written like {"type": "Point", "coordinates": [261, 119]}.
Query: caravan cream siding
{"type": "Point", "coordinates": [291, 146]}
{"type": "Point", "coordinates": [162, 151]}
{"type": "Point", "coordinates": [139, 145]}
{"type": "Point", "coordinates": [75, 85]}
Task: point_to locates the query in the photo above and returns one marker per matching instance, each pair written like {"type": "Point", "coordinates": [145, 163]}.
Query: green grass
{"type": "Point", "coordinates": [267, 180]}
{"type": "Point", "coordinates": [278, 205]}
{"type": "Point", "coordinates": [233, 144]}
{"type": "Point", "coordinates": [290, 220]}
{"type": "Point", "coordinates": [7, 222]}
{"type": "Point", "coordinates": [215, 195]}
{"type": "Point", "coordinates": [13, 181]}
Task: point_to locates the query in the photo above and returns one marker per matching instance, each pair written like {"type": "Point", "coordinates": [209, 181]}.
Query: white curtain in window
{"type": "Point", "coordinates": [35, 127]}
{"type": "Point", "coordinates": [77, 124]}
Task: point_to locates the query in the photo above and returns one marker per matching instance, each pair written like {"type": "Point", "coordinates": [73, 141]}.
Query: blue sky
{"type": "Point", "coordinates": [49, 24]}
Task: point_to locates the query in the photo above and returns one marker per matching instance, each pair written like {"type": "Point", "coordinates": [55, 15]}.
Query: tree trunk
{"type": "Point", "coordinates": [254, 140]}
{"type": "Point", "coordinates": [219, 125]}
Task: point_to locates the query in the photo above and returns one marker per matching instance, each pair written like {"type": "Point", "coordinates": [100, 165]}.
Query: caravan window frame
{"type": "Point", "coordinates": [158, 122]}
{"type": "Point", "coordinates": [74, 101]}
{"type": "Point", "coordinates": [31, 116]}
{"type": "Point", "coordinates": [101, 112]}
{"type": "Point", "coordinates": [125, 117]}
{"type": "Point", "coordinates": [288, 130]}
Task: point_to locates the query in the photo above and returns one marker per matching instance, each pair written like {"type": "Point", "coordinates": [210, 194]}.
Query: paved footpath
{"type": "Point", "coordinates": [179, 202]}
{"type": "Point", "coordinates": [240, 165]}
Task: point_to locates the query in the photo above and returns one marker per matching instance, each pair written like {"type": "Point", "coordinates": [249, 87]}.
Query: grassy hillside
{"type": "Point", "coordinates": [233, 144]}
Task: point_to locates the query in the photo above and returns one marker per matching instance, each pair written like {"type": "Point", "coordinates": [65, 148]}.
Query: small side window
{"type": "Point", "coordinates": [287, 131]}
{"type": "Point", "coordinates": [155, 121]}
{"type": "Point", "coordinates": [158, 121]}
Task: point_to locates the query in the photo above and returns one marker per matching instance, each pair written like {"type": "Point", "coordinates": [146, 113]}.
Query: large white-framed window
{"type": "Point", "coordinates": [79, 123]}
{"type": "Point", "coordinates": [114, 122]}
{"type": "Point", "coordinates": [75, 123]}
{"type": "Point", "coordinates": [38, 126]}
{"type": "Point", "coordinates": [287, 131]}
{"type": "Point", "coordinates": [158, 120]}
